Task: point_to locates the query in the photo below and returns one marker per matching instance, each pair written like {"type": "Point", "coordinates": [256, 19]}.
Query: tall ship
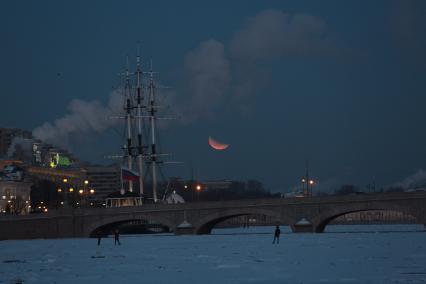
{"type": "Point", "coordinates": [140, 157]}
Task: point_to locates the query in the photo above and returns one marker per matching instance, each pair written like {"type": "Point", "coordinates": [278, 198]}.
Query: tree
{"type": "Point", "coordinates": [347, 189]}
{"type": "Point", "coordinates": [395, 189]}
{"type": "Point", "coordinates": [44, 191]}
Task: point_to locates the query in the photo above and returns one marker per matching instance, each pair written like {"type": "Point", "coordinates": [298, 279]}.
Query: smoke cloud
{"type": "Point", "coordinates": [273, 34]}
{"type": "Point", "coordinates": [217, 74]}
{"type": "Point", "coordinates": [82, 117]}
{"type": "Point", "coordinates": [21, 147]}
{"type": "Point", "coordinates": [208, 77]}
{"type": "Point", "coordinates": [418, 179]}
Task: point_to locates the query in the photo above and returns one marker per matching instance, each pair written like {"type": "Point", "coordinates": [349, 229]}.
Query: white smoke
{"type": "Point", "coordinates": [21, 146]}
{"type": "Point", "coordinates": [215, 77]}
{"type": "Point", "coordinates": [273, 34]}
{"type": "Point", "coordinates": [208, 77]}
{"type": "Point", "coordinates": [418, 179]}
{"type": "Point", "coordinates": [82, 117]}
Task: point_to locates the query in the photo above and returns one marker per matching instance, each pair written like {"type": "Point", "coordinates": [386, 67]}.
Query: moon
{"type": "Point", "coordinates": [217, 145]}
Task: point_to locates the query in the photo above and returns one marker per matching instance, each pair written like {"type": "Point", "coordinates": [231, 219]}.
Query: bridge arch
{"type": "Point", "coordinates": [112, 221]}
{"type": "Point", "coordinates": [207, 223]}
{"type": "Point", "coordinates": [323, 219]}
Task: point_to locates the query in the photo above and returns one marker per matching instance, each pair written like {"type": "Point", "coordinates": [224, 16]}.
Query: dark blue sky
{"type": "Point", "coordinates": [340, 83]}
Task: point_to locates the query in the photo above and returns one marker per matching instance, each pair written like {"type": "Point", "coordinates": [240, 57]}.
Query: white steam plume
{"type": "Point", "coordinates": [273, 34]}
{"type": "Point", "coordinates": [208, 77]}
{"type": "Point", "coordinates": [24, 145]}
{"type": "Point", "coordinates": [83, 117]}
{"type": "Point", "coordinates": [418, 179]}
{"type": "Point", "coordinates": [214, 78]}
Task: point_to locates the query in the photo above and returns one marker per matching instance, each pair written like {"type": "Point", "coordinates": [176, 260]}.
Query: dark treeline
{"type": "Point", "coordinates": [235, 190]}
{"type": "Point", "coordinates": [45, 193]}
{"type": "Point", "coordinates": [348, 189]}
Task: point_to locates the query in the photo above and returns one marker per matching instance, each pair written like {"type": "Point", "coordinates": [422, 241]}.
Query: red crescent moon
{"type": "Point", "coordinates": [217, 145]}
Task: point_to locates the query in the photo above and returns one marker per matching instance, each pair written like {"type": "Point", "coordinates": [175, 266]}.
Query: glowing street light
{"type": "Point", "coordinates": [303, 181]}
{"type": "Point", "coordinates": [92, 191]}
{"type": "Point", "coordinates": [71, 189]}
{"type": "Point", "coordinates": [307, 183]}
{"type": "Point", "coordinates": [86, 182]}
{"type": "Point", "coordinates": [59, 189]}
{"type": "Point", "coordinates": [198, 187]}
{"type": "Point", "coordinates": [65, 180]}
{"type": "Point", "coordinates": [81, 191]}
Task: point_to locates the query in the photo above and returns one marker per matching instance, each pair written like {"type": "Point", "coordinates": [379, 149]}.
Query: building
{"type": "Point", "coordinates": [95, 182]}
{"type": "Point", "coordinates": [215, 184]}
{"type": "Point", "coordinates": [15, 197]}
{"type": "Point", "coordinates": [6, 138]}
{"type": "Point", "coordinates": [105, 180]}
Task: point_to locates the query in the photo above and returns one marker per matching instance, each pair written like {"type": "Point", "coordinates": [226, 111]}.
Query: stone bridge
{"type": "Point", "coordinates": [301, 214]}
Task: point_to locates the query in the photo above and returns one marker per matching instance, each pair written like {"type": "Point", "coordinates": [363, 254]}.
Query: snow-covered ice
{"type": "Point", "coordinates": [346, 254]}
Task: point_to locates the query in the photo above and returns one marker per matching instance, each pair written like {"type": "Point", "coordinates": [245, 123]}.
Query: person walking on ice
{"type": "Point", "coordinates": [277, 235]}
{"type": "Point", "coordinates": [99, 238]}
{"type": "Point", "coordinates": [116, 237]}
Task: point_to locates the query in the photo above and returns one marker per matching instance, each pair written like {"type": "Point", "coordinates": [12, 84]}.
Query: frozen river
{"type": "Point", "coordinates": [344, 254]}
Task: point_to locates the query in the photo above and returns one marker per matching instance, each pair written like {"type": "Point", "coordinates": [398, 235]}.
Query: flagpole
{"type": "Point", "coordinates": [121, 179]}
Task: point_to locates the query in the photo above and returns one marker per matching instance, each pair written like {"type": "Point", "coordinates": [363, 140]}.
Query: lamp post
{"type": "Point", "coordinates": [311, 183]}
{"type": "Point", "coordinates": [303, 181]}
{"type": "Point", "coordinates": [64, 190]}
{"type": "Point", "coordinates": [307, 183]}
{"type": "Point", "coordinates": [85, 192]}
{"type": "Point", "coordinates": [198, 188]}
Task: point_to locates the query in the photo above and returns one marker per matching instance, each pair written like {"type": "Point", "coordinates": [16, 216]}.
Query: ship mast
{"type": "Point", "coordinates": [128, 108]}
{"type": "Point", "coordinates": [139, 115]}
{"type": "Point", "coordinates": [153, 147]}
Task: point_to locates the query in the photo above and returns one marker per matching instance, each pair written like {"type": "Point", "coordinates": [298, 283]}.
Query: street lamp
{"type": "Point", "coordinates": [84, 196]}
{"type": "Point", "coordinates": [303, 180]}
{"type": "Point", "coordinates": [311, 183]}
{"type": "Point", "coordinates": [198, 189]}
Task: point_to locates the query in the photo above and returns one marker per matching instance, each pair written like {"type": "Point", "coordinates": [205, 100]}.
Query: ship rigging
{"type": "Point", "coordinates": [141, 157]}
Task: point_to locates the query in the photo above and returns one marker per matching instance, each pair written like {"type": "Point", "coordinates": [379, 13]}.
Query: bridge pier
{"type": "Point", "coordinates": [184, 228]}
{"type": "Point", "coordinates": [184, 231]}
{"type": "Point", "coordinates": [303, 228]}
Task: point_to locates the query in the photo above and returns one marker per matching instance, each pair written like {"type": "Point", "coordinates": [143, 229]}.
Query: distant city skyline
{"type": "Point", "coordinates": [337, 83]}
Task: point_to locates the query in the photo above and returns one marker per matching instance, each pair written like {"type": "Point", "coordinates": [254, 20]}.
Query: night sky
{"type": "Point", "coordinates": [339, 83]}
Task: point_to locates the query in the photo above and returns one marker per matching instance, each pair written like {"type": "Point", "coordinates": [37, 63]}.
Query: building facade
{"type": "Point", "coordinates": [15, 197]}
{"type": "Point", "coordinates": [105, 180]}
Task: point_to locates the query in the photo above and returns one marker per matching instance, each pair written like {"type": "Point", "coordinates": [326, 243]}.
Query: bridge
{"type": "Point", "coordinates": [301, 214]}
